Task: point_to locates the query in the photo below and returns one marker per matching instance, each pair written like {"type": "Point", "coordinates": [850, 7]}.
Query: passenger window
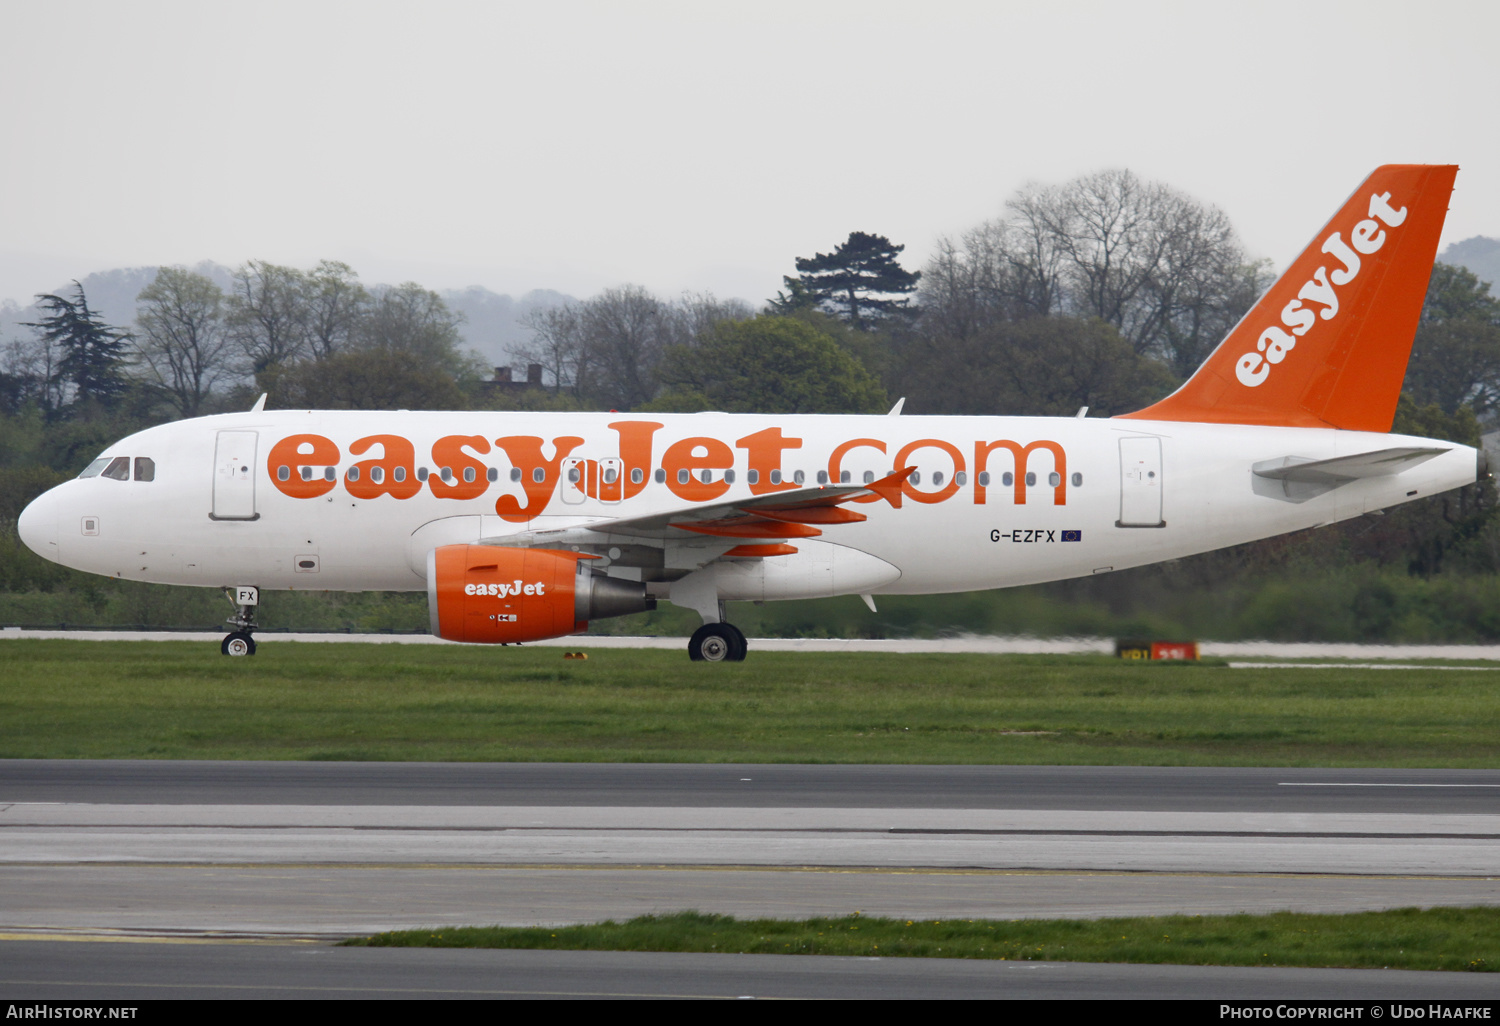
{"type": "Point", "coordinates": [283, 473]}
{"type": "Point", "coordinates": [468, 475]}
{"type": "Point", "coordinates": [869, 477]}
{"type": "Point", "coordinates": [93, 469]}
{"type": "Point", "coordinates": [1054, 479]}
{"type": "Point", "coordinates": [493, 474]}
{"type": "Point", "coordinates": [660, 475]}
{"type": "Point", "coordinates": [1030, 479]}
{"type": "Point", "coordinates": [118, 469]}
{"type": "Point", "coordinates": [822, 477]}
{"type": "Point", "coordinates": [422, 474]}
{"type": "Point", "coordinates": [937, 477]}
{"type": "Point", "coordinates": [960, 478]}
{"type": "Point", "coordinates": [1077, 480]}
{"type": "Point", "coordinates": [776, 477]}
{"type": "Point", "coordinates": [539, 474]}
{"type": "Point", "coordinates": [984, 479]}
{"type": "Point", "coordinates": [682, 477]}
{"type": "Point", "coordinates": [729, 476]}
{"type": "Point", "coordinates": [145, 468]}
{"type": "Point", "coordinates": [1007, 479]}
{"type": "Point", "coordinates": [329, 474]}
{"type": "Point", "coordinates": [752, 476]}
{"type": "Point", "coordinates": [637, 475]}
{"type": "Point", "coordinates": [515, 473]}
{"type": "Point", "coordinates": [844, 477]}
{"type": "Point", "coordinates": [798, 477]}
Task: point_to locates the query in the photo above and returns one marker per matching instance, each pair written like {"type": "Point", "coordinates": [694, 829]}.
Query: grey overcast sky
{"type": "Point", "coordinates": [697, 145]}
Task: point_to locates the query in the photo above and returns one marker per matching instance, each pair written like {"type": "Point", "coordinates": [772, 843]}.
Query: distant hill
{"type": "Point", "coordinates": [492, 322]}
{"type": "Point", "coordinates": [491, 327]}
{"type": "Point", "coordinates": [1480, 254]}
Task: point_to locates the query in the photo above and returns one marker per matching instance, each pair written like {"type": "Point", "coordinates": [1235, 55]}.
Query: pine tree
{"type": "Point", "coordinates": [92, 353]}
{"type": "Point", "coordinates": [853, 280]}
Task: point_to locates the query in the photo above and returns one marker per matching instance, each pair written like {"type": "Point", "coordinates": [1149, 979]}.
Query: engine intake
{"type": "Point", "coordinates": [487, 593]}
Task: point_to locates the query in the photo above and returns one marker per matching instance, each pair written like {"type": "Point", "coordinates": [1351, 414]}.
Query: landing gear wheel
{"type": "Point", "coordinates": [741, 646]}
{"type": "Point", "coordinates": [717, 643]}
{"type": "Point", "coordinates": [238, 644]}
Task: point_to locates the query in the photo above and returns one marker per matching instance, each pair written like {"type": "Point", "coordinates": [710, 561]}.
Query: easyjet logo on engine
{"type": "Point", "coordinates": [696, 469]}
{"type": "Point", "coordinates": [505, 590]}
{"type": "Point", "coordinates": [1276, 341]}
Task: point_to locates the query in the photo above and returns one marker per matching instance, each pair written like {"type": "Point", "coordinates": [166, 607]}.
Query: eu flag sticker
{"type": "Point", "coordinates": [1072, 536]}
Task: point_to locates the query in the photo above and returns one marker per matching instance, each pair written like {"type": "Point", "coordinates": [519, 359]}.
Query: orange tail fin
{"type": "Point", "coordinates": [1327, 346]}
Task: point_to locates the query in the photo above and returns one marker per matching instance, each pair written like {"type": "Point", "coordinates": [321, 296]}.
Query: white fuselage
{"type": "Point", "coordinates": [1106, 494]}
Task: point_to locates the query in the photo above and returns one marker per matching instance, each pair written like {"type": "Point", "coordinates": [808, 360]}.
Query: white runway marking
{"type": "Point", "coordinates": [1359, 843]}
{"type": "Point", "coordinates": [1324, 784]}
{"type": "Point", "coordinates": [1353, 666]}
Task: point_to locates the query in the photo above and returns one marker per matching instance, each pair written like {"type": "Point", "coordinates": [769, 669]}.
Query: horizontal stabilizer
{"type": "Point", "coordinates": [1346, 468]}
{"type": "Point", "coordinates": [1297, 478]}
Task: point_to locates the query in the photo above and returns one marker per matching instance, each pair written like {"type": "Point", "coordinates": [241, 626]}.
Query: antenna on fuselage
{"type": "Point", "coordinates": [260, 404]}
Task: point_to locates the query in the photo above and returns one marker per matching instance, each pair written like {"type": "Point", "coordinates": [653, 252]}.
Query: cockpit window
{"type": "Point", "coordinates": [93, 469]}
{"type": "Point", "coordinates": [118, 469]}
{"type": "Point", "coordinates": [145, 468]}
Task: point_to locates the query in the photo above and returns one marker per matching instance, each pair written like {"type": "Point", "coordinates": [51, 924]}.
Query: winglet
{"type": "Point", "coordinates": [896, 410]}
{"type": "Point", "coordinates": [1327, 346]}
{"type": "Point", "coordinates": [260, 404]}
{"type": "Point", "coordinates": [889, 487]}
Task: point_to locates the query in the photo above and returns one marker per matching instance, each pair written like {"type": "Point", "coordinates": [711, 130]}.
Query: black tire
{"type": "Point", "coordinates": [716, 643]}
{"type": "Point", "coordinates": [741, 646]}
{"type": "Point", "coordinates": [238, 644]}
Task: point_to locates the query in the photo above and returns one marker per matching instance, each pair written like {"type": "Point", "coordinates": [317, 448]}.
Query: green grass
{"type": "Point", "coordinates": [182, 700]}
{"type": "Point", "coordinates": [1439, 938]}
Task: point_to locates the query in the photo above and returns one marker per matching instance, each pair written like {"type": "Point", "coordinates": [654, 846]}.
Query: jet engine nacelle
{"type": "Point", "coordinates": [487, 593]}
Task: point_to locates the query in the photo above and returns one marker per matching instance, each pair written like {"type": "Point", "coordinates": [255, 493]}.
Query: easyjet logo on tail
{"type": "Point", "coordinates": [1365, 238]}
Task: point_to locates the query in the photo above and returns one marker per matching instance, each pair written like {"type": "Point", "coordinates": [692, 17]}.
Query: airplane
{"type": "Point", "coordinates": [527, 526]}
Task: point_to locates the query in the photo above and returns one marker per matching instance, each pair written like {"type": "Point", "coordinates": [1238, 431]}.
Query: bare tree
{"type": "Point", "coordinates": [556, 343]}
{"type": "Point", "coordinates": [626, 329]}
{"type": "Point", "coordinates": [410, 319]}
{"type": "Point", "coordinates": [1165, 270]}
{"type": "Point", "coordinates": [335, 303]}
{"type": "Point", "coordinates": [181, 336]}
{"type": "Point", "coordinates": [268, 314]}
{"type": "Point", "coordinates": [698, 313]}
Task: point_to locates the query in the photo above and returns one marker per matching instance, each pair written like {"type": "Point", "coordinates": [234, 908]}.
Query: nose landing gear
{"type": "Point", "coordinates": [240, 642]}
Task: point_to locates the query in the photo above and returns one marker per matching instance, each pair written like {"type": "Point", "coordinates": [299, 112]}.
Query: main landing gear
{"type": "Point", "coordinates": [240, 642]}
{"type": "Point", "coordinates": [717, 643]}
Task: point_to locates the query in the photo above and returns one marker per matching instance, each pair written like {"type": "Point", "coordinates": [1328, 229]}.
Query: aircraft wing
{"type": "Point", "coordinates": [768, 519]}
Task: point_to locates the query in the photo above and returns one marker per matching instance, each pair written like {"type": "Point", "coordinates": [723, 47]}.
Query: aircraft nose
{"type": "Point", "coordinates": [37, 525]}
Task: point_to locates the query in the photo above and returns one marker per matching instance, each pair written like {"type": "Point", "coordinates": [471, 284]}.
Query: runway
{"type": "Point", "coordinates": [976, 644]}
{"type": "Point", "coordinates": [316, 851]}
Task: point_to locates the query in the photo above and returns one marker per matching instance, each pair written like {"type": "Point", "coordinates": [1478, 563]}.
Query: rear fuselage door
{"type": "Point", "coordinates": [1140, 483]}
{"type": "Point", "coordinates": [234, 476]}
